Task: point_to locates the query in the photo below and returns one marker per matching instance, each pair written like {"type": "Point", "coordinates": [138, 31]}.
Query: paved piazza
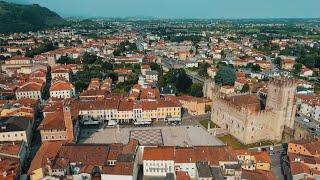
{"type": "Point", "coordinates": [170, 135]}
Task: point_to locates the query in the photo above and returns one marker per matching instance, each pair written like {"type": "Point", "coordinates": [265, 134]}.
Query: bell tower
{"type": "Point", "coordinates": [68, 121]}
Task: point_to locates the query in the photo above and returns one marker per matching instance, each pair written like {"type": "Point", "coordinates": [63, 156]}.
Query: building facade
{"type": "Point", "coordinates": [244, 117]}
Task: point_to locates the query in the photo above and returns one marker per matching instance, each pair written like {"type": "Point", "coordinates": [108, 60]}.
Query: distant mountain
{"type": "Point", "coordinates": [18, 1]}
{"type": "Point", "coordinates": [22, 18]}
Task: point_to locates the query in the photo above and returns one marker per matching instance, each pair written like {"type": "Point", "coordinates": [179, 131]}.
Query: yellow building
{"type": "Point", "coordinates": [194, 106]}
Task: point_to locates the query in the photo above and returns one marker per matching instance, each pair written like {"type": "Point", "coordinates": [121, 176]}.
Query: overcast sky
{"type": "Point", "coordinates": [185, 8]}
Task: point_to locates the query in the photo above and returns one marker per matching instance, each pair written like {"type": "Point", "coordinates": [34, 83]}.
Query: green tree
{"type": "Point", "coordinates": [254, 67]}
{"type": "Point", "coordinates": [297, 68]}
{"type": "Point", "coordinates": [196, 90]}
{"type": "Point", "coordinates": [310, 62]}
{"type": "Point", "coordinates": [225, 76]}
{"type": "Point", "coordinates": [183, 82]}
{"type": "Point", "coordinates": [66, 60]}
{"type": "Point", "coordinates": [107, 66]}
{"type": "Point", "coordinates": [89, 58]}
{"type": "Point", "coordinates": [278, 62]}
{"type": "Point", "coordinates": [245, 88]}
{"type": "Point", "coordinates": [202, 71]}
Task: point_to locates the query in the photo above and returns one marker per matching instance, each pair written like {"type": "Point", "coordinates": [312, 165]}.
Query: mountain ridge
{"type": "Point", "coordinates": [22, 18]}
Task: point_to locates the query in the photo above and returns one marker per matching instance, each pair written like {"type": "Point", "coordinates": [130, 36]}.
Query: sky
{"type": "Point", "coordinates": [185, 8]}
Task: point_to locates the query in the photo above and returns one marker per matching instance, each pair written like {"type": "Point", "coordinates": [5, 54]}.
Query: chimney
{"type": "Point", "coordinates": [68, 121]}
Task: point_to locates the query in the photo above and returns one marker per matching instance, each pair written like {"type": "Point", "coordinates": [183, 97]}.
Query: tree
{"type": "Point", "coordinates": [196, 90]}
{"type": "Point", "coordinates": [89, 58]}
{"type": "Point", "coordinates": [309, 62]}
{"type": "Point", "coordinates": [65, 60]}
{"type": "Point", "coordinates": [80, 86]}
{"type": "Point", "coordinates": [225, 76]}
{"type": "Point", "coordinates": [162, 81]}
{"type": "Point", "coordinates": [254, 67]}
{"type": "Point", "coordinates": [19, 53]}
{"type": "Point", "coordinates": [113, 76]}
{"type": "Point", "coordinates": [278, 62]}
{"type": "Point", "coordinates": [203, 69]}
{"type": "Point", "coordinates": [297, 68]}
{"type": "Point", "coordinates": [183, 82]}
{"type": "Point", "coordinates": [107, 66]}
{"type": "Point", "coordinates": [245, 88]}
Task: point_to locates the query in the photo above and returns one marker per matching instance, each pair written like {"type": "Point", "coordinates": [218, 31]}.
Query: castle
{"type": "Point", "coordinates": [246, 118]}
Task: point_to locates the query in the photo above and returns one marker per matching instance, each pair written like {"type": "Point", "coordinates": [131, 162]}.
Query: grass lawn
{"type": "Point", "coordinates": [204, 123]}
{"type": "Point", "coordinates": [230, 140]}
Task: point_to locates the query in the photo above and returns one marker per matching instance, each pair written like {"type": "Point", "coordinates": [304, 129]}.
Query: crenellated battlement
{"type": "Point", "coordinates": [283, 82]}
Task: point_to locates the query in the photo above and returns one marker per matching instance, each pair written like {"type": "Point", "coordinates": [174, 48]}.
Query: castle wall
{"type": "Point", "coordinates": [253, 126]}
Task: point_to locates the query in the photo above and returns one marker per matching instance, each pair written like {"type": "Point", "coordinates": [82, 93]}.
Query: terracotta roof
{"type": "Point", "coordinates": [167, 103]}
{"type": "Point", "coordinates": [191, 154]}
{"type": "Point", "coordinates": [150, 93]}
{"type": "Point", "coordinates": [158, 153]}
{"type": "Point", "coordinates": [261, 157]}
{"type": "Point", "coordinates": [88, 154]}
{"type": "Point", "coordinates": [47, 151]}
{"type": "Point", "coordinates": [245, 100]}
{"type": "Point", "coordinates": [299, 168]}
{"type": "Point", "coordinates": [257, 174]}
{"type": "Point", "coordinates": [10, 148]}
{"type": "Point", "coordinates": [121, 168]}
{"type": "Point", "coordinates": [182, 175]}
{"type": "Point", "coordinates": [125, 105]}
{"type": "Point", "coordinates": [53, 121]}
{"type": "Point", "coordinates": [19, 58]}
{"type": "Point", "coordinates": [26, 102]}
{"type": "Point", "coordinates": [30, 86]}
{"type": "Point", "coordinates": [61, 85]}
{"type": "Point", "coordinates": [96, 105]}
{"type": "Point", "coordinates": [313, 100]}
{"type": "Point", "coordinates": [11, 166]}
{"type": "Point", "coordinates": [59, 71]}
{"type": "Point", "coordinates": [311, 145]}
{"type": "Point", "coordinates": [93, 93]}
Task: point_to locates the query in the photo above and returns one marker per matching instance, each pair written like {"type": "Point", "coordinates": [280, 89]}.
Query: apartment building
{"type": "Point", "coordinates": [31, 89]}
{"type": "Point", "coordinates": [62, 90]}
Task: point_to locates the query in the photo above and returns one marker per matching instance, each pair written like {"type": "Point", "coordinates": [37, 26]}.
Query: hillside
{"type": "Point", "coordinates": [22, 18]}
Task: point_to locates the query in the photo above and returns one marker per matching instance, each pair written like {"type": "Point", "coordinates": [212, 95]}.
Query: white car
{"type": "Point", "coordinates": [306, 120]}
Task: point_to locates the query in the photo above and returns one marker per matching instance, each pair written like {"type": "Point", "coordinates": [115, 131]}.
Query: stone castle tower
{"type": "Point", "coordinates": [281, 101]}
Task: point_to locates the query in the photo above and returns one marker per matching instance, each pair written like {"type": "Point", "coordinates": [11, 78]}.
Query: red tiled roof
{"type": "Point", "coordinates": [30, 86]}
{"type": "Point", "coordinates": [47, 151]}
{"type": "Point", "coordinates": [53, 121]}
{"type": "Point", "coordinates": [61, 85]}
{"type": "Point", "coordinates": [158, 153]}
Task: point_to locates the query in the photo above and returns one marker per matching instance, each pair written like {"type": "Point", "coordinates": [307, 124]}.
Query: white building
{"type": "Point", "coordinates": [62, 90]}
{"type": "Point", "coordinates": [158, 163]}
{"type": "Point", "coordinates": [15, 128]}
{"type": "Point", "coordinates": [60, 73]}
{"type": "Point", "coordinates": [152, 76]}
{"type": "Point", "coordinates": [32, 90]}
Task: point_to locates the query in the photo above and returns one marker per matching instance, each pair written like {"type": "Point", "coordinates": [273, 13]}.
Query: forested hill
{"type": "Point", "coordinates": [22, 18]}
